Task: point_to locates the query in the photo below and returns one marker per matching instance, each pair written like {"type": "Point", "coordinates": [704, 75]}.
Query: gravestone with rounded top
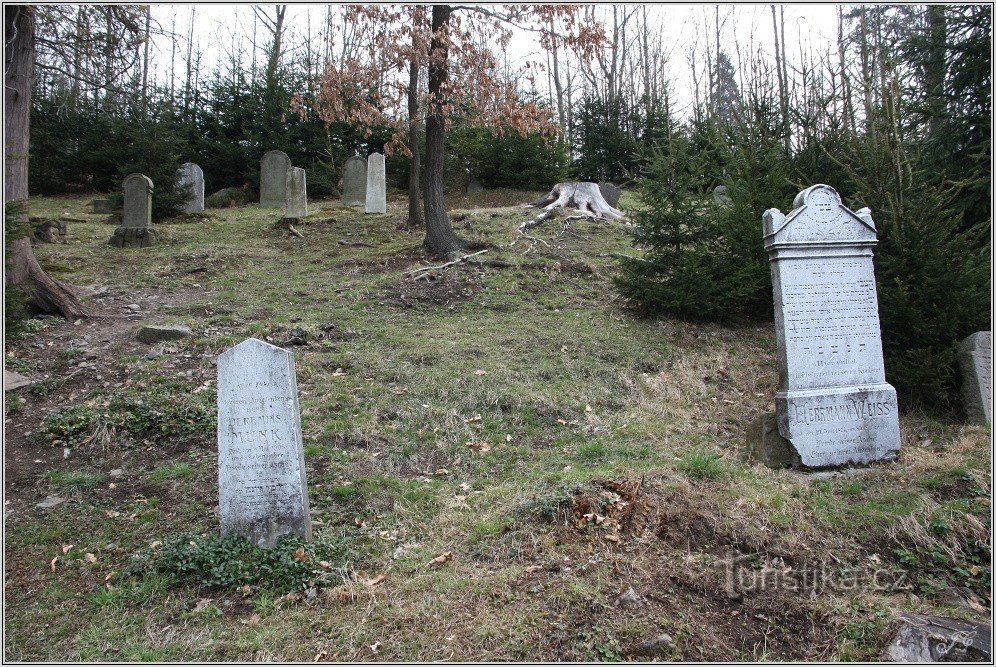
{"type": "Point", "coordinates": [354, 181]}
{"type": "Point", "coordinates": [297, 194]}
{"type": "Point", "coordinates": [833, 404]}
{"type": "Point", "coordinates": [136, 229]}
{"type": "Point", "coordinates": [273, 168]}
{"type": "Point", "coordinates": [376, 201]}
{"type": "Point", "coordinates": [263, 493]}
{"type": "Point", "coordinates": [975, 357]}
{"type": "Point", "coordinates": [192, 176]}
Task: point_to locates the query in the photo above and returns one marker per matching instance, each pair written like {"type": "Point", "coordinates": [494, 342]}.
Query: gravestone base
{"type": "Point", "coordinates": [831, 427]}
{"type": "Point", "coordinates": [766, 444]}
{"type": "Point", "coordinates": [134, 237]}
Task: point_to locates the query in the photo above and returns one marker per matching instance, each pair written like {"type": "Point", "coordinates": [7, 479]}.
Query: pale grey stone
{"type": "Point", "coordinates": [263, 492]}
{"type": "Point", "coordinates": [938, 639]}
{"type": "Point", "coordinates": [273, 168]}
{"type": "Point", "coordinates": [767, 445]}
{"type": "Point", "coordinates": [354, 181]}
{"type": "Point", "coordinates": [720, 197]}
{"type": "Point", "coordinates": [297, 194]}
{"type": "Point", "coordinates": [136, 221]}
{"type": "Point", "coordinates": [50, 502]}
{"type": "Point", "coordinates": [653, 646]}
{"type": "Point", "coordinates": [192, 175]}
{"type": "Point", "coordinates": [12, 380]}
{"type": "Point", "coordinates": [975, 356]}
{"type": "Point", "coordinates": [630, 599]}
{"type": "Point", "coordinates": [157, 334]}
{"type": "Point", "coordinates": [376, 201]}
{"type": "Point", "coordinates": [833, 403]}
{"type": "Point", "coordinates": [610, 193]}
{"type": "Point", "coordinates": [117, 472]}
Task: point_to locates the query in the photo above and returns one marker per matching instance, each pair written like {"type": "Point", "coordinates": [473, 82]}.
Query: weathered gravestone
{"type": "Point", "coordinates": [193, 176]}
{"type": "Point", "coordinates": [474, 187]}
{"type": "Point", "coordinates": [720, 197]}
{"type": "Point", "coordinates": [136, 229]}
{"type": "Point", "coordinates": [261, 479]}
{"type": "Point", "coordinates": [297, 194]}
{"type": "Point", "coordinates": [376, 201]}
{"type": "Point", "coordinates": [610, 193]}
{"type": "Point", "coordinates": [833, 404]}
{"type": "Point", "coordinates": [975, 356]}
{"type": "Point", "coordinates": [354, 181]}
{"type": "Point", "coordinates": [273, 168]}
{"type": "Point", "coordinates": [102, 206]}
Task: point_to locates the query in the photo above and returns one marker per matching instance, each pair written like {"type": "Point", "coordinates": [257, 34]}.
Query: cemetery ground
{"type": "Point", "coordinates": [504, 461]}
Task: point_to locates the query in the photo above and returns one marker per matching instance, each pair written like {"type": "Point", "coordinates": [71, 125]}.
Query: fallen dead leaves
{"type": "Point", "coordinates": [442, 558]}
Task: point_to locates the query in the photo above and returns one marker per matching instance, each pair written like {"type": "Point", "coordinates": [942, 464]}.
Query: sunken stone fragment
{"type": "Point", "coordinates": [833, 403]}
{"type": "Point", "coordinates": [263, 493]}
{"type": "Point", "coordinates": [354, 181]}
{"type": "Point", "coordinates": [376, 201]}
{"type": "Point", "coordinates": [975, 357]}
{"type": "Point", "coordinates": [273, 168]}
{"type": "Point", "coordinates": [767, 445]}
{"type": "Point", "coordinates": [938, 639]}
{"type": "Point", "coordinates": [158, 334]}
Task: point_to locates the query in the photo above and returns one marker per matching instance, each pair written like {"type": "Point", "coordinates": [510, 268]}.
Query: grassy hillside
{"type": "Point", "coordinates": [517, 416]}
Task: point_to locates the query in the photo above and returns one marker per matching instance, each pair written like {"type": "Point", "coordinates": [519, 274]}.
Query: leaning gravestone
{"type": "Point", "coordinates": [261, 480]}
{"type": "Point", "coordinates": [975, 356]}
{"type": "Point", "coordinates": [273, 168]}
{"type": "Point", "coordinates": [297, 194]}
{"type": "Point", "coordinates": [193, 176]}
{"type": "Point", "coordinates": [833, 404]}
{"type": "Point", "coordinates": [354, 181]}
{"type": "Point", "coordinates": [610, 193]}
{"type": "Point", "coordinates": [376, 185]}
{"type": "Point", "coordinates": [136, 229]}
{"type": "Point", "coordinates": [720, 197]}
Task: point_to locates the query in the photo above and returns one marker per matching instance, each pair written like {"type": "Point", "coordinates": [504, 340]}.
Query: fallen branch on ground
{"type": "Point", "coordinates": [424, 271]}
{"type": "Point", "coordinates": [359, 244]}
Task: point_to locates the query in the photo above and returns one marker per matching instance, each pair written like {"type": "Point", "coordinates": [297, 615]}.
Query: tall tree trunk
{"type": "Point", "coordinates": [49, 296]}
{"type": "Point", "coordinates": [415, 164]}
{"type": "Point", "coordinates": [145, 65]}
{"type": "Point", "coordinates": [936, 69]}
{"type": "Point", "coordinates": [439, 237]}
{"type": "Point", "coordinates": [782, 83]}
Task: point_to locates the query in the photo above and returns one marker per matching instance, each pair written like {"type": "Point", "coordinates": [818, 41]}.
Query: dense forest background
{"type": "Point", "coordinates": [896, 115]}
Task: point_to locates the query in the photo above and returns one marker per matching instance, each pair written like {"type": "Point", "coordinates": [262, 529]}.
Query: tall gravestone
{"type": "Point", "coordinates": [297, 194]}
{"type": "Point", "coordinates": [354, 181]}
{"type": "Point", "coordinates": [273, 168]}
{"type": "Point", "coordinates": [136, 229]}
{"type": "Point", "coordinates": [191, 175]}
{"type": "Point", "coordinates": [833, 404]}
{"type": "Point", "coordinates": [261, 478]}
{"type": "Point", "coordinates": [376, 201]}
{"type": "Point", "coordinates": [975, 357]}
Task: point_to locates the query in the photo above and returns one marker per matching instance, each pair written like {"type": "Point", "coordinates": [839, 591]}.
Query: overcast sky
{"type": "Point", "coordinates": [217, 26]}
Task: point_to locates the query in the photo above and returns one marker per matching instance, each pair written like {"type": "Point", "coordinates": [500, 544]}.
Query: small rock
{"type": "Point", "coordinates": [117, 472]}
{"type": "Point", "coordinates": [156, 334]}
{"type": "Point", "coordinates": [630, 599]}
{"type": "Point", "coordinates": [652, 647]}
{"type": "Point", "coordinates": [12, 380]}
{"type": "Point", "coordinates": [50, 502]}
{"type": "Point", "coordinates": [939, 639]}
{"type": "Point", "coordinates": [133, 307]}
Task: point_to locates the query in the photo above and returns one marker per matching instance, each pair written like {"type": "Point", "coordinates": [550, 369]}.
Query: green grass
{"type": "Point", "coordinates": [170, 471]}
{"type": "Point", "coordinates": [73, 482]}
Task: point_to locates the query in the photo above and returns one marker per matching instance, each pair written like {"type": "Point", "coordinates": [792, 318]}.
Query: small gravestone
{"type": "Point", "coordinates": [190, 175]}
{"type": "Point", "coordinates": [273, 168]}
{"type": "Point", "coordinates": [610, 193]}
{"type": "Point", "coordinates": [136, 229]}
{"type": "Point", "coordinates": [102, 206]}
{"type": "Point", "coordinates": [354, 181]}
{"type": "Point", "coordinates": [262, 489]}
{"type": "Point", "coordinates": [833, 404]}
{"type": "Point", "coordinates": [720, 197]}
{"type": "Point", "coordinates": [376, 201]}
{"type": "Point", "coordinates": [297, 194]}
{"type": "Point", "coordinates": [474, 187]}
{"type": "Point", "coordinates": [975, 357]}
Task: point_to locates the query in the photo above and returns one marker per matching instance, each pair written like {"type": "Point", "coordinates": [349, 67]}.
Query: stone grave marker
{"type": "Point", "coordinates": [720, 197]}
{"type": "Point", "coordinates": [376, 201]}
{"type": "Point", "coordinates": [273, 168]}
{"type": "Point", "coordinates": [474, 187]}
{"type": "Point", "coordinates": [354, 181]}
{"type": "Point", "coordinates": [261, 478]}
{"type": "Point", "coordinates": [136, 221]}
{"type": "Point", "coordinates": [102, 206]}
{"type": "Point", "coordinates": [297, 194]}
{"type": "Point", "coordinates": [192, 175]}
{"type": "Point", "coordinates": [610, 193]}
{"type": "Point", "coordinates": [833, 404]}
{"type": "Point", "coordinates": [975, 357]}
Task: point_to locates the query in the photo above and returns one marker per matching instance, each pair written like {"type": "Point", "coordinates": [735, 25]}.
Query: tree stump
{"type": "Point", "coordinates": [585, 197]}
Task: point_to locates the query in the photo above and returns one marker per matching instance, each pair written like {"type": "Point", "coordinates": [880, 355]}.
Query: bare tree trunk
{"type": "Point", "coordinates": [936, 69]}
{"type": "Point", "coordinates": [845, 80]}
{"type": "Point", "coordinates": [415, 164]}
{"type": "Point", "coordinates": [439, 237]}
{"type": "Point", "coordinates": [145, 65]}
{"type": "Point", "coordinates": [782, 83]}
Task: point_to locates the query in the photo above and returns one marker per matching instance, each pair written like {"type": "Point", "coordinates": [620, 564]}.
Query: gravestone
{"type": "Point", "coordinates": [136, 229]}
{"type": "Point", "coordinates": [273, 168]}
{"type": "Point", "coordinates": [192, 175]}
{"type": "Point", "coordinates": [474, 187]}
{"type": "Point", "coordinates": [833, 403]}
{"type": "Point", "coordinates": [354, 181]}
{"type": "Point", "coordinates": [610, 193]}
{"type": "Point", "coordinates": [975, 356]}
{"type": "Point", "coordinates": [720, 197]}
{"type": "Point", "coordinates": [297, 194]}
{"type": "Point", "coordinates": [102, 206]}
{"type": "Point", "coordinates": [262, 489]}
{"type": "Point", "coordinates": [376, 201]}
